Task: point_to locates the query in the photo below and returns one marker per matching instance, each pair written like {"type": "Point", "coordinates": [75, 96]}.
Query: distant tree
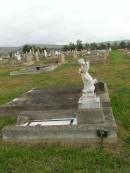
{"type": "Point", "coordinates": [122, 45]}
{"type": "Point", "coordinates": [128, 45]}
{"type": "Point", "coordinates": [26, 48]}
{"type": "Point", "coordinates": [44, 48]}
{"type": "Point", "coordinates": [65, 48]}
{"type": "Point", "coordinates": [108, 45]}
{"type": "Point", "coordinates": [71, 46]}
{"type": "Point", "coordinates": [115, 46]}
{"type": "Point", "coordinates": [10, 54]}
{"type": "Point", "coordinates": [79, 45]}
{"type": "Point", "coordinates": [93, 46]}
{"type": "Point", "coordinates": [102, 46]}
{"type": "Point", "coordinates": [87, 46]}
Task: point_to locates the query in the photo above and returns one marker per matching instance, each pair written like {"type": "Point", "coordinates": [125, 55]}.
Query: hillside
{"type": "Point", "coordinates": [6, 50]}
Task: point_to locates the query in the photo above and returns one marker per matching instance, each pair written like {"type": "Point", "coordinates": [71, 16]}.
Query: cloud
{"type": "Point", "coordinates": [62, 21]}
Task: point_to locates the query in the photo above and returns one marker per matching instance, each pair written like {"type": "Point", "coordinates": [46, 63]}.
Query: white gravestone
{"type": "Point", "coordinates": [88, 98]}
{"type": "Point", "coordinates": [37, 56]}
{"type": "Point", "coordinates": [45, 53]}
{"type": "Point", "coordinates": [57, 53]}
{"type": "Point", "coordinates": [28, 56]}
{"type": "Point", "coordinates": [18, 56]}
{"type": "Point", "coordinates": [110, 49]}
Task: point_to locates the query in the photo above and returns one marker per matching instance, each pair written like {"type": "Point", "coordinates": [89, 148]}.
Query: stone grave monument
{"type": "Point", "coordinates": [62, 58]}
{"type": "Point", "coordinates": [89, 98]}
{"type": "Point", "coordinates": [37, 56]}
{"type": "Point", "coordinates": [90, 109]}
{"type": "Point", "coordinates": [45, 54]}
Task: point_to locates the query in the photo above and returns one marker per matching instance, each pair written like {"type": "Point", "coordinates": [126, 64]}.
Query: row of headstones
{"type": "Point", "coordinates": [19, 57]}
{"type": "Point", "coordinates": [88, 53]}
{"type": "Point", "coordinates": [31, 55]}
{"type": "Point", "coordinates": [37, 56]}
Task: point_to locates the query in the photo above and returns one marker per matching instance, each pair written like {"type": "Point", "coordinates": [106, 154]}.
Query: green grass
{"type": "Point", "coordinates": [6, 121]}
{"type": "Point", "coordinates": [67, 159]}
{"type": "Point", "coordinates": [55, 159]}
{"type": "Point", "coordinates": [12, 86]}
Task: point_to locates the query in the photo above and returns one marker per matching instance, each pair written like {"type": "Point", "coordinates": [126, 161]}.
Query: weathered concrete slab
{"type": "Point", "coordinates": [58, 103]}
{"type": "Point", "coordinates": [43, 99]}
{"type": "Point", "coordinates": [35, 70]}
{"type": "Point", "coordinates": [57, 134]}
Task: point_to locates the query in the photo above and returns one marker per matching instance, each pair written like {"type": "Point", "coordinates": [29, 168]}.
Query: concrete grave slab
{"type": "Point", "coordinates": [35, 70]}
{"type": "Point", "coordinates": [44, 105]}
{"type": "Point", "coordinates": [39, 99]}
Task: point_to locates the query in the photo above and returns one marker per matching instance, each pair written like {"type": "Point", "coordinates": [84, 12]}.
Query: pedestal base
{"type": "Point", "coordinates": [90, 109]}
{"type": "Point", "coordinates": [90, 116]}
{"type": "Point", "coordinates": [89, 102]}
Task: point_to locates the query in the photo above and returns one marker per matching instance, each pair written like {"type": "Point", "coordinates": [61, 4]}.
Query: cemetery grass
{"type": "Point", "coordinates": [17, 158]}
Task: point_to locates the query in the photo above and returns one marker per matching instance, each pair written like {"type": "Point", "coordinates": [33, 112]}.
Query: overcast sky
{"type": "Point", "coordinates": [62, 21]}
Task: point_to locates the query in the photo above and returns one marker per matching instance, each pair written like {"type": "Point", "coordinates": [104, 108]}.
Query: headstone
{"type": "Point", "coordinates": [18, 56]}
{"type": "Point", "coordinates": [62, 59]}
{"type": "Point", "coordinates": [98, 53]}
{"type": "Point", "coordinates": [57, 53]}
{"type": "Point", "coordinates": [110, 49]}
{"type": "Point", "coordinates": [75, 54]}
{"type": "Point", "coordinates": [29, 56]}
{"type": "Point", "coordinates": [37, 56]}
{"type": "Point", "coordinates": [89, 52]}
{"type": "Point", "coordinates": [45, 53]}
{"type": "Point", "coordinates": [33, 52]}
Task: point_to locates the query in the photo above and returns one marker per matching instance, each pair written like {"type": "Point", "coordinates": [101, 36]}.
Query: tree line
{"type": "Point", "coordinates": [79, 45]}
{"type": "Point", "coordinates": [27, 48]}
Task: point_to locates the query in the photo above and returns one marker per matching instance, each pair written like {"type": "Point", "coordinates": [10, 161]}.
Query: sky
{"type": "Point", "coordinates": [63, 21]}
